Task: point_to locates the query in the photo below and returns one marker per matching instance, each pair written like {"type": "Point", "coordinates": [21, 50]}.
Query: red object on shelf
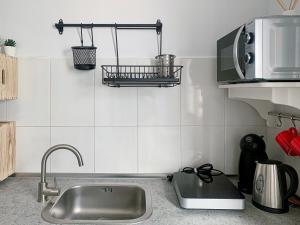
{"type": "Point", "coordinates": [295, 144]}
{"type": "Point", "coordinates": [284, 139]}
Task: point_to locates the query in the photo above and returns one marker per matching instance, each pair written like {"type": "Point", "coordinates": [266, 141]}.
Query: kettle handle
{"type": "Point", "coordinates": [293, 180]}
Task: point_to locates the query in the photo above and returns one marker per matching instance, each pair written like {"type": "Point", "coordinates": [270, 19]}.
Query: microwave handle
{"type": "Point", "coordinates": [235, 53]}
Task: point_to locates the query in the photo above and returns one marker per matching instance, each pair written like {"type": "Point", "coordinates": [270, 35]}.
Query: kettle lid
{"type": "Point", "coordinates": [270, 162]}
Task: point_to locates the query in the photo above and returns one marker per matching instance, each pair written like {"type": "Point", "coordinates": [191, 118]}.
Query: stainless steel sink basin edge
{"type": "Point", "coordinates": [48, 212]}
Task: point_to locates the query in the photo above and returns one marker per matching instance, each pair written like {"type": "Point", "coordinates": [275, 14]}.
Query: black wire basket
{"type": "Point", "coordinates": [140, 76]}
{"type": "Point", "coordinates": [84, 57]}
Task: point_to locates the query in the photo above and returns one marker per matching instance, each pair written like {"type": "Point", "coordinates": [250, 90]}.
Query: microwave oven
{"type": "Point", "coordinates": [265, 49]}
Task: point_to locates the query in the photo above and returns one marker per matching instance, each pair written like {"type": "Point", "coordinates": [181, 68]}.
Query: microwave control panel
{"type": "Point", "coordinates": [249, 58]}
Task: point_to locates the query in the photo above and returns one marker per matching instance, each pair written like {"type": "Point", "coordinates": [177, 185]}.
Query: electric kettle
{"type": "Point", "coordinates": [270, 191]}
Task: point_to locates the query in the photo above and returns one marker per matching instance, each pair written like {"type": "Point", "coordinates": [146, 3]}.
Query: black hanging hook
{"type": "Point", "coordinates": [92, 34]}
{"type": "Point", "coordinates": [81, 36]}
{"type": "Point", "coordinates": [117, 49]}
{"type": "Point", "coordinates": [293, 121]}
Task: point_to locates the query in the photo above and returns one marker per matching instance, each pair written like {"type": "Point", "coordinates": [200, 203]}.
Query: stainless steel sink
{"type": "Point", "coordinates": [100, 204]}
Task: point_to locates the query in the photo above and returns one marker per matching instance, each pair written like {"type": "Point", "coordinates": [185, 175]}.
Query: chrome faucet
{"type": "Point", "coordinates": [43, 190]}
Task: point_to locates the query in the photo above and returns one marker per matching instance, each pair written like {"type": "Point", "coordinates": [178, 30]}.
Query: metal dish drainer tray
{"type": "Point", "coordinates": [140, 75]}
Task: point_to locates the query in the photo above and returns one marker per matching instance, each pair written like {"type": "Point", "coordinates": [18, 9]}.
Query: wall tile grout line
{"type": "Point", "coordinates": [115, 126]}
{"type": "Point", "coordinates": [180, 128]}
{"type": "Point", "coordinates": [245, 125]}
{"type": "Point", "coordinates": [94, 147]}
{"type": "Point", "coordinates": [224, 129]}
{"type": "Point", "coordinates": [203, 125]}
{"type": "Point", "coordinates": [149, 126]}
{"type": "Point", "coordinates": [137, 130]}
{"type": "Point", "coordinates": [51, 126]}
{"type": "Point", "coordinates": [50, 107]}
{"type": "Point", "coordinates": [174, 126]}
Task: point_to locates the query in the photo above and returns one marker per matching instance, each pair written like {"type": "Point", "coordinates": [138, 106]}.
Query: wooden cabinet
{"type": "Point", "coordinates": [8, 90]}
{"type": "Point", "coordinates": [7, 149]}
{"type": "Point", "coordinates": [8, 77]}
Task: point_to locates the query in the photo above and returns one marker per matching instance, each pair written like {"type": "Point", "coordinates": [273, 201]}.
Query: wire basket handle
{"type": "Point", "coordinates": [159, 42]}
{"type": "Point", "coordinates": [92, 35]}
{"type": "Point", "coordinates": [81, 36]}
{"type": "Point", "coordinates": [117, 50]}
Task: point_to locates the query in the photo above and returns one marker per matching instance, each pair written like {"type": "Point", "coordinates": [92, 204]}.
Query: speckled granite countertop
{"type": "Point", "coordinates": [18, 205]}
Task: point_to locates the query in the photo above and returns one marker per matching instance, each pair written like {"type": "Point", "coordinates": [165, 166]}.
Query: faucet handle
{"type": "Point", "coordinates": [55, 182]}
{"type": "Point", "coordinates": [55, 190]}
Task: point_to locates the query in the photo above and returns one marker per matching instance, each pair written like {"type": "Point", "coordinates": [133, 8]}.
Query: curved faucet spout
{"type": "Point", "coordinates": [55, 148]}
{"type": "Point", "coordinates": [43, 188]}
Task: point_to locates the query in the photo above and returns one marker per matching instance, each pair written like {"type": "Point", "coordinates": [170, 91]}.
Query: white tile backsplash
{"type": "Point", "coordinates": [126, 130]}
{"type": "Point", "coordinates": [81, 138]}
{"type": "Point", "coordinates": [202, 102]}
{"type": "Point", "coordinates": [202, 106]}
{"type": "Point", "coordinates": [203, 144]}
{"type": "Point", "coordinates": [114, 106]}
{"type": "Point", "coordinates": [116, 150]}
{"type": "Point", "coordinates": [159, 106]}
{"type": "Point", "coordinates": [72, 95]}
{"type": "Point", "coordinates": [199, 72]}
{"type": "Point", "coordinates": [33, 105]}
{"type": "Point", "coordinates": [159, 149]}
{"type": "Point", "coordinates": [32, 143]}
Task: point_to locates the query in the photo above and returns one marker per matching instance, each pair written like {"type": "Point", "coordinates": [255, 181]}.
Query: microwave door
{"type": "Point", "coordinates": [239, 52]}
{"type": "Point", "coordinates": [230, 57]}
{"type": "Point", "coordinates": [281, 48]}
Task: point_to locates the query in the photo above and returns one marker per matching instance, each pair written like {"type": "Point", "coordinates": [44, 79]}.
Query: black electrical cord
{"type": "Point", "coordinates": [206, 172]}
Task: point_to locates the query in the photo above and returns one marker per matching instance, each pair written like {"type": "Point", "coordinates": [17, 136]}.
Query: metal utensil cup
{"type": "Point", "coordinates": [84, 57]}
{"type": "Point", "coordinates": [165, 65]}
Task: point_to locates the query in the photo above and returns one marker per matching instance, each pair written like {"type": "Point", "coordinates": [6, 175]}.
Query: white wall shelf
{"type": "Point", "coordinates": [263, 85]}
{"type": "Point", "coordinates": [264, 96]}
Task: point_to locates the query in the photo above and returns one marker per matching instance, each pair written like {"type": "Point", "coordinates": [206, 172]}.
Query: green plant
{"type": "Point", "coordinates": [10, 42]}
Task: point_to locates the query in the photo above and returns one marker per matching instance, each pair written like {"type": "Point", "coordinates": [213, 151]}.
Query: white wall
{"type": "Point", "coordinates": [126, 130]}
{"type": "Point", "coordinates": [191, 27]}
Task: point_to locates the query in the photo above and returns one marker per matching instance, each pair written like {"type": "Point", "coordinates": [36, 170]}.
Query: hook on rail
{"type": "Point", "coordinates": [279, 116]}
{"type": "Point", "coordinates": [279, 120]}
{"type": "Point", "coordinates": [293, 121]}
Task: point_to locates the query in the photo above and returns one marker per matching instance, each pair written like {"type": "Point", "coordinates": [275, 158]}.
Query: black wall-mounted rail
{"type": "Point", "coordinates": [156, 26]}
